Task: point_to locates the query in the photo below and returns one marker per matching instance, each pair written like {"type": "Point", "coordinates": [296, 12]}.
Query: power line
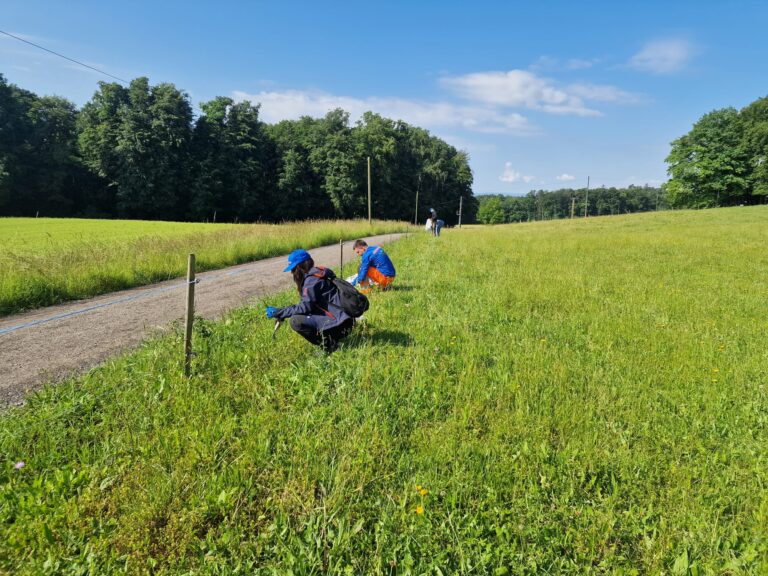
{"type": "Point", "coordinates": [65, 57]}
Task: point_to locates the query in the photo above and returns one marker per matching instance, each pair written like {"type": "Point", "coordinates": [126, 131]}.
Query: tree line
{"type": "Point", "coordinates": [722, 161]}
{"type": "Point", "coordinates": [141, 152]}
{"type": "Point", "coordinates": [550, 205]}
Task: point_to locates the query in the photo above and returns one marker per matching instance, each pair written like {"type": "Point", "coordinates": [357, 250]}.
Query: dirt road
{"type": "Point", "coordinates": [49, 344]}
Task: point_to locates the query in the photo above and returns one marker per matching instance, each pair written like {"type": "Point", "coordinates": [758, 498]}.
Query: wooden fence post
{"type": "Point", "coordinates": [190, 315]}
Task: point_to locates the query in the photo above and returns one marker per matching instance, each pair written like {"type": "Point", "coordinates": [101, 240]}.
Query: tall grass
{"type": "Point", "coordinates": [550, 398]}
{"type": "Point", "coordinates": [45, 261]}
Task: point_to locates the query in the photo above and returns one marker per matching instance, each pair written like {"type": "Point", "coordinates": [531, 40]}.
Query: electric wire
{"type": "Point", "coordinates": [65, 57]}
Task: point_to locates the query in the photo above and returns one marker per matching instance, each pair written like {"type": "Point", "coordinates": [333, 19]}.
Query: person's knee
{"type": "Point", "coordinates": [296, 323]}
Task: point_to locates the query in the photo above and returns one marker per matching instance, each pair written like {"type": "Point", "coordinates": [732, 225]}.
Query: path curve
{"type": "Point", "coordinates": [73, 344]}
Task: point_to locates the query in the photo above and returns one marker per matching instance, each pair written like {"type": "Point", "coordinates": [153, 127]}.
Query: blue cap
{"type": "Point", "coordinates": [295, 258]}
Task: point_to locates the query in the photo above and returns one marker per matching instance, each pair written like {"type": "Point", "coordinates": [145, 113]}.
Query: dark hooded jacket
{"type": "Point", "coordinates": [319, 296]}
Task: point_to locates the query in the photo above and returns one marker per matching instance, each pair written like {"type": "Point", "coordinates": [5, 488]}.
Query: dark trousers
{"type": "Point", "coordinates": [311, 328]}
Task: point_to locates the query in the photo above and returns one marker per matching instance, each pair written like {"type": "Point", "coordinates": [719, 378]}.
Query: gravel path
{"type": "Point", "coordinates": [73, 344]}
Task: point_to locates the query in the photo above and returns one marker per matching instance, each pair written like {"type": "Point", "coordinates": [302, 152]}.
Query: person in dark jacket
{"type": "Point", "coordinates": [318, 317]}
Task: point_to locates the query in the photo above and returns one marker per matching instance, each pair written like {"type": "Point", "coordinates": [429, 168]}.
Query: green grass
{"type": "Point", "coordinates": [582, 397]}
{"type": "Point", "coordinates": [46, 261]}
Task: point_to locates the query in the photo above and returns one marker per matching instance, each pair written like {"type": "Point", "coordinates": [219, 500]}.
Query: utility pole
{"type": "Point", "coordinates": [586, 200]}
{"type": "Point", "coordinates": [461, 203]}
{"type": "Point", "coordinates": [369, 190]}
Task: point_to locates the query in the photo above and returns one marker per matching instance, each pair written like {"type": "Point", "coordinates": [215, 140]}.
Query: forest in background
{"type": "Point", "coordinates": [140, 152]}
{"type": "Point", "coordinates": [551, 205]}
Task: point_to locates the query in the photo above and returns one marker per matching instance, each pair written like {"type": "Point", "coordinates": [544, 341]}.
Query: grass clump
{"type": "Point", "coordinates": [50, 260]}
{"type": "Point", "coordinates": [564, 397]}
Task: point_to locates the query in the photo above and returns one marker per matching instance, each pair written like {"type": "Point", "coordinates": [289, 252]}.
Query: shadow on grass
{"type": "Point", "coordinates": [393, 337]}
{"type": "Point", "coordinates": [400, 288]}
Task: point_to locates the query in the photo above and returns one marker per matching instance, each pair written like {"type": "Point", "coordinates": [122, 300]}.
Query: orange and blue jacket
{"type": "Point", "coordinates": [376, 257]}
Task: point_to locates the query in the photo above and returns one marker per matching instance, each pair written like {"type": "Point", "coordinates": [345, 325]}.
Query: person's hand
{"type": "Point", "coordinates": [272, 311]}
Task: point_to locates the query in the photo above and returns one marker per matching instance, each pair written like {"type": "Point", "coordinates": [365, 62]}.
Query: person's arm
{"type": "Point", "coordinates": [307, 304]}
{"type": "Point", "coordinates": [365, 262]}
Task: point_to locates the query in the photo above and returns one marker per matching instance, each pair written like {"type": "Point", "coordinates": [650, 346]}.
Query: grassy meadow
{"type": "Point", "coordinates": [566, 397]}
{"type": "Point", "coordinates": [50, 260]}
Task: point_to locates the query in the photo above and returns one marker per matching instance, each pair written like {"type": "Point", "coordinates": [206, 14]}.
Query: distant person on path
{"type": "Point", "coordinates": [318, 317]}
{"type": "Point", "coordinates": [375, 267]}
{"type": "Point", "coordinates": [437, 224]}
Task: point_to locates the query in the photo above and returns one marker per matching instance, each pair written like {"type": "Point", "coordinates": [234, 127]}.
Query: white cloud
{"type": "Point", "coordinates": [580, 64]}
{"type": "Point", "coordinates": [602, 93]}
{"type": "Point", "coordinates": [519, 88]}
{"type": "Point", "coordinates": [545, 63]}
{"type": "Point", "coordinates": [292, 104]}
{"type": "Point", "coordinates": [565, 178]}
{"type": "Point", "coordinates": [550, 63]}
{"type": "Point", "coordinates": [662, 56]}
{"type": "Point", "coordinates": [512, 175]}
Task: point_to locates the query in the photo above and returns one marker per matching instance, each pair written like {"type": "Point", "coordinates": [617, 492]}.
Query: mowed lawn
{"type": "Point", "coordinates": [50, 260]}
{"type": "Point", "coordinates": [572, 397]}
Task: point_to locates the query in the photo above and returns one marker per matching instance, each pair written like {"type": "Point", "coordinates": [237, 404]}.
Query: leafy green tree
{"type": "Point", "coordinates": [336, 158]}
{"type": "Point", "coordinates": [491, 211]}
{"type": "Point", "coordinates": [135, 152]}
{"type": "Point", "coordinates": [213, 197]}
{"type": "Point", "coordinates": [38, 161]}
{"type": "Point", "coordinates": [234, 163]}
{"type": "Point", "coordinates": [15, 146]}
{"type": "Point", "coordinates": [54, 180]}
{"type": "Point", "coordinates": [755, 142]}
{"type": "Point", "coordinates": [98, 128]}
{"type": "Point", "coordinates": [152, 145]}
{"type": "Point", "coordinates": [708, 166]}
{"type": "Point", "coordinates": [299, 186]}
{"type": "Point", "coordinates": [138, 139]}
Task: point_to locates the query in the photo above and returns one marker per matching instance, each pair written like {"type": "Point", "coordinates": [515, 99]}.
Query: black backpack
{"type": "Point", "coordinates": [352, 301]}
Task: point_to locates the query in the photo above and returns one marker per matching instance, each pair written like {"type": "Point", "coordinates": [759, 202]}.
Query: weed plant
{"type": "Point", "coordinates": [46, 260]}
{"type": "Point", "coordinates": [570, 397]}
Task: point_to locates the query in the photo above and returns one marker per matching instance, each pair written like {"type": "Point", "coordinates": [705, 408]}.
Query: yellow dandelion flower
{"type": "Point", "coordinates": [423, 491]}
{"type": "Point", "coordinates": [419, 509]}
{"type": "Point", "coordinates": [418, 487]}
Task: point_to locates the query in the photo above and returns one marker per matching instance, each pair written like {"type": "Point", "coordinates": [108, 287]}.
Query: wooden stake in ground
{"type": "Point", "coordinates": [190, 315]}
{"type": "Point", "coordinates": [341, 256]}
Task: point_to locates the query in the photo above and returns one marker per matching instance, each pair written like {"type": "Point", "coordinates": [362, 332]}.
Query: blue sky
{"type": "Point", "coordinates": [541, 94]}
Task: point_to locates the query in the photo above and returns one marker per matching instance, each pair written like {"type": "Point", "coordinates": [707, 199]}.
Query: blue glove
{"type": "Point", "coordinates": [272, 311]}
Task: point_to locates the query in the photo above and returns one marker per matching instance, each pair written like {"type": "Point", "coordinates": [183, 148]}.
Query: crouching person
{"type": "Point", "coordinates": [318, 317]}
{"type": "Point", "coordinates": [375, 267]}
